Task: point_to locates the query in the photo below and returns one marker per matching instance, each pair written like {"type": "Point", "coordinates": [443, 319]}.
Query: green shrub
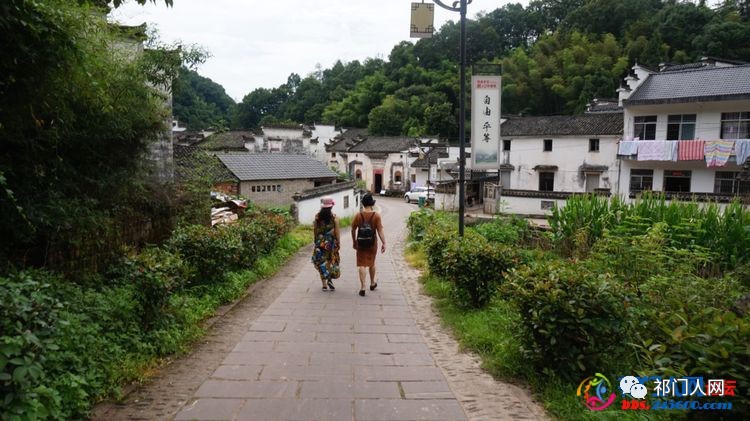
{"type": "Point", "coordinates": [573, 320]}
{"type": "Point", "coordinates": [155, 273]}
{"type": "Point", "coordinates": [210, 251]}
{"type": "Point", "coordinates": [29, 319]}
{"type": "Point", "coordinates": [435, 241]}
{"type": "Point", "coordinates": [475, 267]}
{"type": "Point", "coordinates": [511, 230]}
{"type": "Point", "coordinates": [686, 325]}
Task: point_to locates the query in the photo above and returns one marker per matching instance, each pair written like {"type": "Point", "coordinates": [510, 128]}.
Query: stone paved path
{"type": "Point", "coordinates": [330, 356]}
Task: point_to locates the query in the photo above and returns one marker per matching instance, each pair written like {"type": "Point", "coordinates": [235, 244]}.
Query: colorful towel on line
{"type": "Point", "coordinates": [717, 152]}
{"type": "Point", "coordinates": [742, 150]}
{"type": "Point", "coordinates": [691, 150]}
{"type": "Point", "coordinates": [628, 147]}
{"type": "Point", "coordinates": [652, 150]}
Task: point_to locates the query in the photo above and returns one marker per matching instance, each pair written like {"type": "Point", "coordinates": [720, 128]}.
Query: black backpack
{"type": "Point", "coordinates": [365, 233]}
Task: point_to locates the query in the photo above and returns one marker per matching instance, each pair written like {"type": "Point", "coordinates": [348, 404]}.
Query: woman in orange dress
{"type": "Point", "coordinates": [367, 250]}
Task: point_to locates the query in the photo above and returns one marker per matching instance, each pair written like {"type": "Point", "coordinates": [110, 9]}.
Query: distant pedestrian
{"type": "Point", "coordinates": [327, 244]}
{"type": "Point", "coordinates": [364, 226]}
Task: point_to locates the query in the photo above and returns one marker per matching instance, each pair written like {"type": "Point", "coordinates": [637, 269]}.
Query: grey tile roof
{"type": "Point", "coordinates": [274, 166]}
{"type": "Point", "coordinates": [693, 85]}
{"type": "Point", "coordinates": [233, 140]}
{"type": "Point", "coordinates": [344, 141]}
{"type": "Point", "coordinates": [190, 161]}
{"type": "Point", "coordinates": [383, 144]}
{"type": "Point", "coordinates": [433, 155]}
{"type": "Point", "coordinates": [564, 125]}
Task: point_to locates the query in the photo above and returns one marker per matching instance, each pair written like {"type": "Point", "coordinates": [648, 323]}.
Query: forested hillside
{"type": "Point", "coordinates": [556, 54]}
{"type": "Point", "coordinates": [199, 102]}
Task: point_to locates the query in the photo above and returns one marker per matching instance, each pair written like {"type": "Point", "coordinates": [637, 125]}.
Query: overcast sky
{"type": "Point", "coordinates": [257, 43]}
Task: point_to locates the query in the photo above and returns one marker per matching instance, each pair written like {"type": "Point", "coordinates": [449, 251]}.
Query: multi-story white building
{"type": "Point", "coordinates": [547, 159]}
{"type": "Point", "coordinates": [681, 119]}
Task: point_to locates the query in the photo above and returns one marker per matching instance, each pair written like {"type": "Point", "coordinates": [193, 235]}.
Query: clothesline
{"type": "Point", "coordinates": [715, 152]}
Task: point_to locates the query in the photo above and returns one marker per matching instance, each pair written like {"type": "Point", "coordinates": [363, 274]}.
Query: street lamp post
{"type": "Point", "coordinates": [460, 6]}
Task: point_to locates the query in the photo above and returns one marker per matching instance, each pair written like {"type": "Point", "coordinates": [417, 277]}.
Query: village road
{"type": "Point", "coordinates": [292, 351]}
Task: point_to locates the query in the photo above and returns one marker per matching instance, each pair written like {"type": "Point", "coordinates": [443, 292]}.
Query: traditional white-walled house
{"type": "Point", "coordinates": [381, 162]}
{"type": "Point", "coordinates": [273, 179]}
{"type": "Point", "coordinates": [547, 159]}
{"type": "Point", "coordinates": [681, 118]}
{"type": "Point", "coordinates": [345, 197]}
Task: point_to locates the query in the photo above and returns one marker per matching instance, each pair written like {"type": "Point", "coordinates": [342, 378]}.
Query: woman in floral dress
{"type": "Point", "coordinates": [327, 244]}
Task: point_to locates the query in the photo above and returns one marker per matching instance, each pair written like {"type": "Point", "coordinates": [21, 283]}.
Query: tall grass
{"type": "Point", "coordinates": [585, 219]}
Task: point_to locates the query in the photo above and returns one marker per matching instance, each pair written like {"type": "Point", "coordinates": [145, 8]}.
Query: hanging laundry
{"type": "Point", "coordinates": [628, 147]}
{"type": "Point", "coordinates": [671, 150]}
{"type": "Point", "coordinates": [655, 150]}
{"type": "Point", "coordinates": [742, 150]}
{"type": "Point", "coordinates": [691, 150]}
{"type": "Point", "coordinates": [717, 152]}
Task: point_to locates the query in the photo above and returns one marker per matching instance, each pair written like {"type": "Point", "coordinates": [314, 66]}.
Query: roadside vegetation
{"type": "Point", "coordinates": [105, 267]}
{"type": "Point", "coordinates": [67, 343]}
{"type": "Point", "coordinates": [650, 288]}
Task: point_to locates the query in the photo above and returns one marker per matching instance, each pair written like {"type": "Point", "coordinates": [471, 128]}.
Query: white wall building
{"type": "Point", "coordinates": [382, 163]}
{"type": "Point", "coordinates": [546, 159]}
{"type": "Point", "coordinates": [345, 197]}
{"type": "Point", "coordinates": [701, 102]}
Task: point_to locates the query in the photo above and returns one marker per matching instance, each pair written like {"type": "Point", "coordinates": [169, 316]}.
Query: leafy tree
{"type": "Point", "coordinates": [199, 102]}
{"type": "Point", "coordinates": [77, 116]}
{"type": "Point", "coordinates": [388, 118]}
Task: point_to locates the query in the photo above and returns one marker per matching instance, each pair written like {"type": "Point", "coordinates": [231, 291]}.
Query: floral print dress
{"type": "Point", "coordinates": [326, 252]}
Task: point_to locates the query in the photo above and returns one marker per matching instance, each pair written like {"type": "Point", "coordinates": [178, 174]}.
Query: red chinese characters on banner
{"type": "Point", "coordinates": [486, 84]}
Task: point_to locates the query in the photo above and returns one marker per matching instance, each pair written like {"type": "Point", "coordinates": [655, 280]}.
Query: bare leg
{"type": "Point", "coordinates": [362, 277]}
{"type": "Point", "coordinates": [372, 275]}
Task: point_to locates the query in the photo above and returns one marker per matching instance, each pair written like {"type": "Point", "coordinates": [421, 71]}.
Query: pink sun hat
{"type": "Point", "coordinates": [327, 202]}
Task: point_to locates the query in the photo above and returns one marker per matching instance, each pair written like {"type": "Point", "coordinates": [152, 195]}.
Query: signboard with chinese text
{"type": "Point", "coordinates": [422, 18]}
{"type": "Point", "coordinates": [485, 122]}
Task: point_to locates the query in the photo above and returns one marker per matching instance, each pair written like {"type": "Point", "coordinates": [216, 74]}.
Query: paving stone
{"type": "Point", "coordinates": [210, 409]}
{"type": "Point", "coordinates": [237, 372]}
{"type": "Point", "coordinates": [370, 374]}
{"type": "Point", "coordinates": [335, 389]}
{"type": "Point", "coordinates": [313, 347]}
{"type": "Point", "coordinates": [404, 409]}
{"type": "Point", "coordinates": [262, 358]}
{"type": "Point", "coordinates": [267, 326]}
{"type": "Point", "coordinates": [246, 389]}
{"type": "Point", "coordinates": [427, 390]}
{"type": "Point", "coordinates": [353, 359]}
{"type": "Point", "coordinates": [253, 346]}
{"type": "Point", "coordinates": [392, 348]}
{"type": "Point", "coordinates": [362, 328]}
{"type": "Point", "coordinates": [404, 338]}
{"type": "Point", "coordinates": [328, 370]}
{"type": "Point", "coordinates": [297, 409]}
{"type": "Point", "coordinates": [414, 359]}
{"type": "Point", "coordinates": [285, 336]}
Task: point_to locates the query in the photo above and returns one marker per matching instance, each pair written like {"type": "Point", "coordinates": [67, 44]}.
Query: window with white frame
{"type": "Point", "coordinates": [593, 145]}
{"type": "Point", "coordinates": [645, 127]}
{"type": "Point", "coordinates": [728, 182]}
{"type": "Point", "coordinates": [681, 127]}
{"type": "Point", "coordinates": [735, 125]}
{"type": "Point", "coordinates": [641, 180]}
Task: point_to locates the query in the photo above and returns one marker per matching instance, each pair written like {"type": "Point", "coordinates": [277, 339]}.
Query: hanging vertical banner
{"type": "Point", "coordinates": [422, 20]}
{"type": "Point", "coordinates": [485, 122]}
